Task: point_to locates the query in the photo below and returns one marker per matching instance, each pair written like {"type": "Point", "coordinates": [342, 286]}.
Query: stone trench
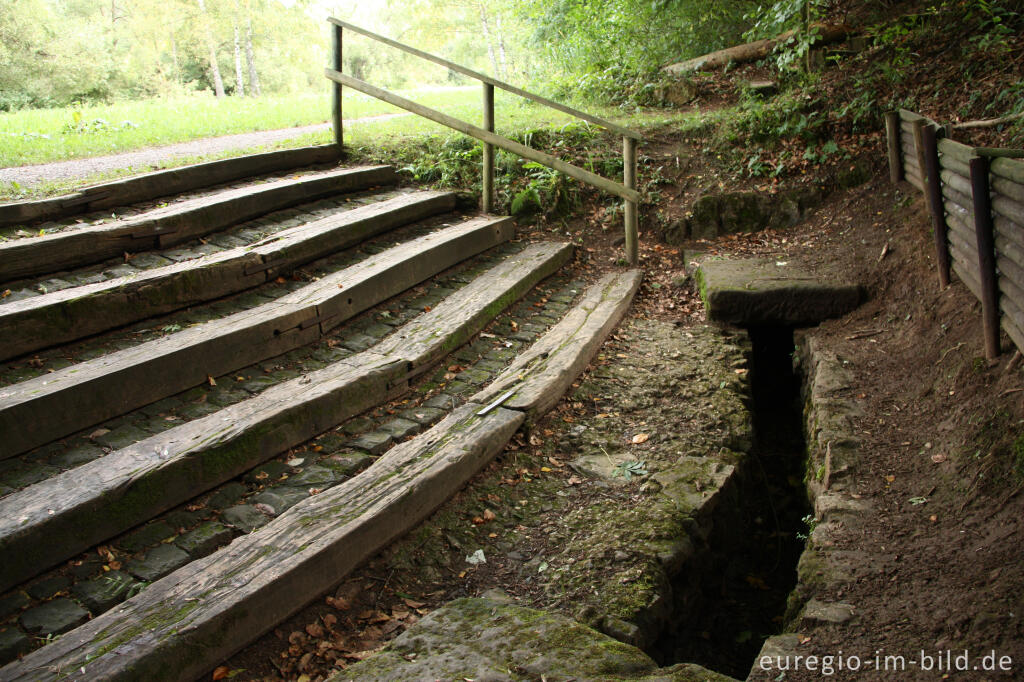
{"type": "Point", "coordinates": [682, 567]}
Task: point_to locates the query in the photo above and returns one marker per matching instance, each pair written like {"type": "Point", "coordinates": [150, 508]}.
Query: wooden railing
{"type": "Point", "coordinates": [625, 190]}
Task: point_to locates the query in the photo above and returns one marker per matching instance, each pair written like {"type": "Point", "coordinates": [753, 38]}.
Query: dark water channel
{"type": "Point", "coordinates": [754, 549]}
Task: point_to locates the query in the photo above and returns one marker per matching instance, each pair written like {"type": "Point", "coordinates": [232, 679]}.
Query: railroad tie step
{"type": "Point", "coordinates": [206, 610]}
{"type": "Point", "coordinates": [61, 316]}
{"type": "Point", "coordinates": [51, 406]}
{"type": "Point", "coordinates": [163, 183]}
{"type": "Point", "coordinates": [55, 519]}
{"type": "Point", "coordinates": [178, 223]}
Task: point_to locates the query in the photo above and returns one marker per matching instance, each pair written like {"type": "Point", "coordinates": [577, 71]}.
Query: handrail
{"type": "Point", "coordinates": [626, 190]}
{"type": "Point", "coordinates": [590, 118]}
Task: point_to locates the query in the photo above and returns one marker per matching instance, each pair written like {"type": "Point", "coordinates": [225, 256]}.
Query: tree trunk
{"type": "Point", "coordinates": [487, 39]}
{"type": "Point", "coordinates": [239, 79]}
{"type": "Point", "coordinates": [750, 52]}
{"type": "Point", "coordinates": [218, 82]}
{"type": "Point", "coordinates": [501, 47]}
{"type": "Point", "coordinates": [250, 56]}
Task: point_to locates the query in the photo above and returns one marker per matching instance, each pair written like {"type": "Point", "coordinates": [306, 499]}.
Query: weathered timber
{"type": "Point", "coordinates": [1011, 275]}
{"type": "Point", "coordinates": [1010, 304]}
{"type": "Point", "coordinates": [986, 255]}
{"type": "Point", "coordinates": [1010, 169]}
{"type": "Point", "coordinates": [935, 207]}
{"type": "Point", "coordinates": [958, 198]}
{"type": "Point", "coordinates": [341, 295]}
{"type": "Point", "coordinates": [37, 411]}
{"type": "Point", "coordinates": [163, 183]}
{"type": "Point", "coordinates": [181, 222]}
{"type": "Point", "coordinates": [200, 614]}
{"type": "Point", "coordinates": [909, 117]}
{"type": "Point", "coordinates": [958, 182]}
{"type": "Point", "coordinates": [759, 49]}
{"type": "Point", "coordinates": [922, 165]}
{"type": "Point", "coordinates": [908, 147]}
{"type": "Point", "coordinates": [962, 227]}
{"type": "Point", "coordinates": [433, 335]}
{"type": "Point", "coordinates": [1009, 230]}
{"type": "Point", "coordinates": [1008, 208]}
{"type": "Point", "coordinates": [958, 151]}
{"type": "Point", "coordinates": [968, 276]}
{"type": "Point", "coordinates": [522, 150]}
{"type": "Point", "coordinates": [53, 520]}
{"type": "Point", "coordinates": [483, 78]}
{"type": "Point", "coordinates": [62, 316]}
{"type": "Point", "coordinates": [1008, 188]}
{"type": "Point", "coordinates": [893, 133]}
{"type": "Point", "coordinates": [543, 373]}
{"type": "Point", "coordinates": [912, 175]}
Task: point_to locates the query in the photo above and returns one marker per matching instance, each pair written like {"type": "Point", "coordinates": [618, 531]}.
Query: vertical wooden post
{"type": "Point", "coordinates": [919, 126]}
{"type": "Point", "coordinates": [336, 94]}
{"type": "Point", "coordinates": [938, 211]}
{"type": "Point", "coordinates": [986, 255]}
{"type": "Point", "coordinates": [892, 133]}
{"type": "Point", "coordinates": [488, 160]}
{"type": "Point", "coordinates": [629, 180]}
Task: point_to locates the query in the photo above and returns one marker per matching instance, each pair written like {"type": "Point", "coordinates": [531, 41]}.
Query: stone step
{"type": "Point", "coordinates": [55, 519]}
{"type": "Point", "coordinates": [177, 223]}
{"type": "Point", "coordinates": [69, 314]}
{"type": "Point", "coordinates": [52, 405]}
{"type": "Point", "coordinates": [202, 612]}
{"type": "Point", "coordinates": [164, 183]}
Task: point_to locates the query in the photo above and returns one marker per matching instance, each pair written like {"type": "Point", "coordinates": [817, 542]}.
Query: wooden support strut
{"type": "Point", "coordinates": [938, 211]}
{"type": "Point", "coordinates": [893, 133]}
{"type": "Point", "coordinates": [986, 256]}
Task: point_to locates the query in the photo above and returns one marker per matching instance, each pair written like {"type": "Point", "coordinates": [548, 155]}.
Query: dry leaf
{"type": "Point", "coordinates": [210, 380]}
{"type": "Point", "coordinates": [338, 603]}
{"type": "Point", "coordinates": [640, 438]}
{"type": "Point", "coordinates": [938, 458]}
{"type": "Point", "coordinates": [329, 619]}
{"type": "Point", "coordinates": [412, 604]}
{"type": "Point", "coordinates": [315, 630]}
{"type": "Point", "coordinates": [489, 515]}
{"type": "Point", "coordinates": [221, 672]}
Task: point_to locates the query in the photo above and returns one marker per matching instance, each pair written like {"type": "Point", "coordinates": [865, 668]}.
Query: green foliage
{"type": "Point", "coordinates": [627, 470]}
{"type": "Point", "coordinates": [788, 15]}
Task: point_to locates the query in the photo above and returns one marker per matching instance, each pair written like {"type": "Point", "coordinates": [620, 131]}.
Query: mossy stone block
{"type": "Point", "coordinates": [204, 539]}
{"type": "Point", "coordinates": [147, 536]}
{"type": "Point", "coordinates": [53, 617]}
{"type": "Point", "coordinates": [158, 562]}
{"type": "Point", "coordinates": [244, 517]}
{"type": "Point", "coordinates": [13, 642]}
{"type": "Point", "coordinates": [100, 594]}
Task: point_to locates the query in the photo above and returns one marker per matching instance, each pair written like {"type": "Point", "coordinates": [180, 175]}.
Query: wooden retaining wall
{"type": "Point", "coordinates": [976, 201]}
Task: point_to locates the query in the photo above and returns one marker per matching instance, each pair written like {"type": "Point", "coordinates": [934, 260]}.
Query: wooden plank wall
{"type": "Point", "coordinates": [1006, 182]}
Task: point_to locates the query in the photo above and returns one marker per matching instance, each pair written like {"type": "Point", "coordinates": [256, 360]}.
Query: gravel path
{"type": "Point", "coordinates": [146, 159]}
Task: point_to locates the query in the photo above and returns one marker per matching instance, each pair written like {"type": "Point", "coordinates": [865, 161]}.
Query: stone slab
{"type": "Point", "coordinates": [752, 292]}
{"type": "Point", "coordinates": [485, 639]}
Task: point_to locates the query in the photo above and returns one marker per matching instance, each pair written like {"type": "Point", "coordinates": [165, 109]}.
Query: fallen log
{"type": "Point", "coordinates": [759, 49]}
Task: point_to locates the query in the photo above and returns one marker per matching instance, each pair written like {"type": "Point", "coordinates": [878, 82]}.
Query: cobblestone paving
{"type": "Point", "coordinates": [103, 577]}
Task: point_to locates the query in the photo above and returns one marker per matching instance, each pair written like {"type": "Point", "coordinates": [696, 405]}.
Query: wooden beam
{"type": "Point", "coordinates": [608, 125]}
{"type": "Point", "coordinates": [893, 132]}
{"type": "Point", "coordinates": [486, 136]}
{"type": "Point", "coordinates": [986, 256]}
{"type": "Point", "coordinates": [938, 211]}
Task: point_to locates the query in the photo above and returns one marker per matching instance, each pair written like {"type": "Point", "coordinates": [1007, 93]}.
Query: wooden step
{"type": "Point", "coordinates": [175, 224]}
{"type": "Point", "coordinates": [51, 406]}
{"type": "Point", "coordinates": [199, 614]}
{"type": "Point", "coordinates": [164, 183]}
{"type": "Point", "coordinates": [56, 519]}
{"type": "Point", "coordinates": [51, 319]}
{"type": "Point", "coordinates": [205, 611]}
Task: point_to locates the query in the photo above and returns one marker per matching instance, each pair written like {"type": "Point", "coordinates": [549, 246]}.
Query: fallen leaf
{"type": "Point", "coordinates": [210, 380]}
{"type": "Point", "coordinates": [575, 480]}
{"type": "Point", "coordinates": [640, 438]}
{"type": "Point", "coordinates": [220, 672]}
{"type": "Point", "coordinates": [97, 433]}
{"type": "Point", "coordinates": [315, 630]}
{"type": "Point", "coordinates": [412, 604]}
{"type": "Point", "coordinates": [890, 478]}
{"type": "Point", "coordinates": [938, 458]}
{"type": "Point", "coordinates": [338, 603]}
{"type": "Point", "coordinates": [489, 515]}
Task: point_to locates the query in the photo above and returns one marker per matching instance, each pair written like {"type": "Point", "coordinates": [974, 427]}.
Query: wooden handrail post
{"type": "Point", "coordinates": [631, 218]}
{"type": "Point", "coordinates": [336, 93]}
{"type": "Point", "coordinates": [488, 160]}
{"type": "Point", "coordinates": [986, 255]}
